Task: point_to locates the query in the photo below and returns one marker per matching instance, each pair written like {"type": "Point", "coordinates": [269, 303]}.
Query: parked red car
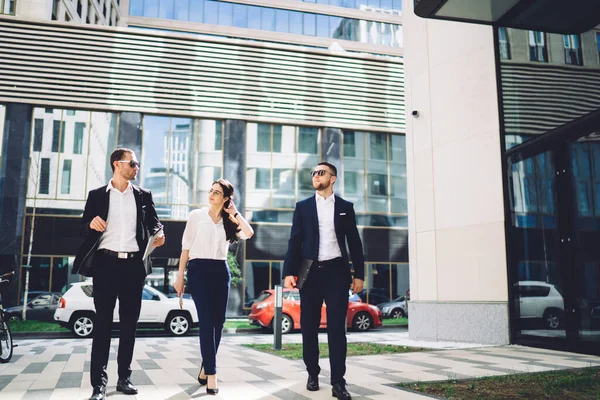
{"type": "Point", "coordinates": [361, 316]}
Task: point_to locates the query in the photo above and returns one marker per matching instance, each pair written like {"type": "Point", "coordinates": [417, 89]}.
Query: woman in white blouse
{"type": "Point", "coordinates": [206, 239]}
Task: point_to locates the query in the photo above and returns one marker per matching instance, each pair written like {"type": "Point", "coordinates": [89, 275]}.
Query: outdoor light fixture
{"type": "Point", "coordinates": [552, 16]}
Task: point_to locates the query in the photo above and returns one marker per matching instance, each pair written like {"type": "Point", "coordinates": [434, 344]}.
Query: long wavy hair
{"type": "Point", "coordinates": [231, 228]}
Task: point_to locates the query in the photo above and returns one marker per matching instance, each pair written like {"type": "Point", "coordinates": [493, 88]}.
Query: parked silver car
{"type": "Point", "coordinates": [397, 308]}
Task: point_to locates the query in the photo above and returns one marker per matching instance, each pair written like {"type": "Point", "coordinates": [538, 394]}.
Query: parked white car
{"type": "Point", "coordinates": [541, 300]}
{"type": "Point", "coordinates": [76, 311]}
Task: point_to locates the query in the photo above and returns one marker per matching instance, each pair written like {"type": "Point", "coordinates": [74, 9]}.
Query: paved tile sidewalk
{"type": "Point", "coordinates": [166, 368]}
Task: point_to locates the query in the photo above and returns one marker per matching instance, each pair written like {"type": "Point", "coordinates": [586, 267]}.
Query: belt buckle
{"type": "Point", "coordinates": [122, 255]}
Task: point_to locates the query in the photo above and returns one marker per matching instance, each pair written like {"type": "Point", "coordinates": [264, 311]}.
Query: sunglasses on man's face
{"type": "Point", "coordinates": [132, 163]}
{"type": "Point", "coordinates": [320, 172]}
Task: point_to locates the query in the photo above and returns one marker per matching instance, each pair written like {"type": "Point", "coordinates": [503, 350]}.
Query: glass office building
{"type": "Point", "coordinates": [203, 90]}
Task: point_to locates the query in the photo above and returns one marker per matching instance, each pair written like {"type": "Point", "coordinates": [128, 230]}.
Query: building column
{"type": "Point", "coordinates": [458, 269]}
{"type": "Point", "coordinates": [234, 170]}
{"type": "Point", "coordinates": [13, 184]}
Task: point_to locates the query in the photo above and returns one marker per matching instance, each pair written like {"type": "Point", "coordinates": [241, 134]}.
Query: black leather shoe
{"type": "Point", "coordinates": [313, 383]}
{"type": "Point", "coordinates": [339, 390]}
{"type": "Point", "coordinates": [125, 386]}
{"type": "Point", "coordinates": [99, 393]}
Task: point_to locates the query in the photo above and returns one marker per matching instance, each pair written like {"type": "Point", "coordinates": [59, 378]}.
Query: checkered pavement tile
{"type": "Point", "coordinates": [166, 368]}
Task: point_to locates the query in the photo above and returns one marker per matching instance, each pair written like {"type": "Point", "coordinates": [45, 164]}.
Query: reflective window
{"type": "Point", "coordinates": [385, 282]}
{"type": "Point", "coordinates": [382, 188]}
{"type": "Point", "coordinates": [277, 174]}
{"type": "Point", "coordinates": [69, 157]}
{"type": "Point", "coordinates": [503, 43]}
{"type": "Point", "coordinates": [273, 19]}
{"type": "Point", "coordinates": [386, 6]}
{"type": "Point", "coordinates": [7, 7]}
{"type": "Point", "coordinates": [573, 53]}
{"type": "Point", "coordinates": [259, 276]}
{"type": "Point", "coordinates": [538, 51]}
{"type": "Point", "coordinates": [181, 158]}
{"type": "Point", "coordinates": [2, 118]}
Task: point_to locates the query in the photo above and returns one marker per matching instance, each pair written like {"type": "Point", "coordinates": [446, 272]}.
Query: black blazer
{"type": "Point", "coordinates": [304, 239]}
{"type": "Point", "coordinates": [97, 205]}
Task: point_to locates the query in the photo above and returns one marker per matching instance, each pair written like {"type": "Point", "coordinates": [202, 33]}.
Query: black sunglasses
{"type": "Point", "coordinates": [320, 172]}
{"type": "Point", "coordinates": [132, 163]}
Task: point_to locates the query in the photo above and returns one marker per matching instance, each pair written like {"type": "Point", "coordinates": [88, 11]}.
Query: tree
{"type": "Point", "coordinates": [234, 269]}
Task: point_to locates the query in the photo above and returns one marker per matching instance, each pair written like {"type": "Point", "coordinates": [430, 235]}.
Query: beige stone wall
{"type": "Point", "coordinates": [456, 227]}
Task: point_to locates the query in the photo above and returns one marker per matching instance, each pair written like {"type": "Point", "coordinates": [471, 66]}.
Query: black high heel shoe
{"type": "Point", "coordinates": [209, 390]}
{"type": "Point", "coordinates": [212, 391]}
{"type": "Point", "coordinates": [201, 381]}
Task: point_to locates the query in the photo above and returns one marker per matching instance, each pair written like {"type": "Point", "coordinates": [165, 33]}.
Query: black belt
{"type": "Point", "coordinates": [120, 254]}
{"type": "Point", "coordinates": [329, 263]}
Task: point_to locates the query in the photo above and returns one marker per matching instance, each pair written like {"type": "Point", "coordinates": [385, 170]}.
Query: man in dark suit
{"type": "Point", "coordinates": [322, 224]}
{"type": "Point", "coordinates": [118, 220]}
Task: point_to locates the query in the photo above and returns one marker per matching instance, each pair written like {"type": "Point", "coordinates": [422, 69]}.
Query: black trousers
{"type": "Point", "coordinates": [123, 279]}
{"type": "Point", "coordinates": [208, 282]}
{"type": "Point", "coordinates": [329, 283]}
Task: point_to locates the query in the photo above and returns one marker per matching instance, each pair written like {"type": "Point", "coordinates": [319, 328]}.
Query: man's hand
{"type": "Point", "coordinates": [98, 224]}
{"type": "Point", "coordinates": [357, 285]}
{"type": "Point", "coordinates": [290, 282]}
{"type": "Point", "coordinates": [159, 241]}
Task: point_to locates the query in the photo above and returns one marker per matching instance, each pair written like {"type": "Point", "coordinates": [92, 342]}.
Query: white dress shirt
{"type": "Point", "coordinates": [328, 244]}
{"type": "Point", "coordinates": [205, 239]}
{"type": "Point", "coordinates": [120, 233]}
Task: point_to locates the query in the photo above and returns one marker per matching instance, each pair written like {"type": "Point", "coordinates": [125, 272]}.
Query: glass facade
{"type": "Point", "coordinates": [547, 80]}
{"type": "Point", "coordinates": [387, 6]}
{"type": "Point", "coordinates": [271, 19]}
{"type": "Point", "coordinates": [2, 118]}
{"type": "Point", "coordinates": [61, 141]}
{"type": "Point", "coordinates": [553, 95]}
{"type": "Point", "coordinates": [181, 158]}
{"type": "Point", "coordinates": [278, 164]}
{"type": "Point", "coordinates": [374, 177]}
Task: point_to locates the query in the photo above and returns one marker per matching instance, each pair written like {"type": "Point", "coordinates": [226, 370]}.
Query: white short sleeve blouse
{"type": "Point", "coordinates": [205, 239]}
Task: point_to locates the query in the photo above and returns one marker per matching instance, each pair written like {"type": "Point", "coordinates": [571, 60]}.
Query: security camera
{"type": "Point", "coordinates": [415, 113]}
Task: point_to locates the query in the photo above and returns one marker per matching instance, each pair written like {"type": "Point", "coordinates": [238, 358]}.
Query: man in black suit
{"type": "Point", "coordinates": [322, 224]}
{"type": "Point", "coordinates": [118, 220]}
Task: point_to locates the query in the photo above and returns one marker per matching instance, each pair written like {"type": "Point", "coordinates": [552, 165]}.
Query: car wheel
{"type": "Point", "coordinates": [178, 324]}
{"type": "Point", "coordinates": [552, 319]}
{"type": "Point", "coordinates": [83, 325]}
{"type": "Point", "coordinates": [397, 313]}
{"type": "Point", "coordinates": [362, 321]}
{"type": "Point", "coordinates": [287, 324]}
{"type": "Point", "coordinates": [14, 318]}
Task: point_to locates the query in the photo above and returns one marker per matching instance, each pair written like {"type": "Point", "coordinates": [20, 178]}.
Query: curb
{"type": "Point", "coordinates": [158, 333]}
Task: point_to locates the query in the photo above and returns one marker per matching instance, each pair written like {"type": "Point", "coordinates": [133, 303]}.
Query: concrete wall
{"type": "Point", "coordinates": [457, 253]}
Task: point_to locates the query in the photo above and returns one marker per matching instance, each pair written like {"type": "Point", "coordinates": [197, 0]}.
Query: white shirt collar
{"type": "Point", "coordinates": [110, 186]}
{"type": "Point", "coordinates": [321, 198]}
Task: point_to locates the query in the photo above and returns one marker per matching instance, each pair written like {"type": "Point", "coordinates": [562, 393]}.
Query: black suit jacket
{"type": "Point", "coordinates": [97, 205]}
{"type": "Point", "coordinates": [304, 238]}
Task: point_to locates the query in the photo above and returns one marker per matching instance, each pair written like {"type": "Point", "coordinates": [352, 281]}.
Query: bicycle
{"type": "Point", "coordinates": [6, 341]}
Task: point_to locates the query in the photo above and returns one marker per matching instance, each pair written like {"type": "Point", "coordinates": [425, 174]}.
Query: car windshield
{"type": "Point", "coordinates": [263, 296]}
{"type": "Point", "coordinates": [401, 298]}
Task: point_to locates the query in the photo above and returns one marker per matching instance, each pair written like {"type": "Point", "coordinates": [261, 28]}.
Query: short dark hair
{"type": "Point", "coordinates": [330, 166]}
{"type": "Point", "coordinates": [117, 155]}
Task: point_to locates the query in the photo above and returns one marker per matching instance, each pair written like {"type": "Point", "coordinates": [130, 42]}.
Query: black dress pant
{"type": "Point", "coordinates": [329, 283]}
{"type": "Point", "coordinates": [123, 279]}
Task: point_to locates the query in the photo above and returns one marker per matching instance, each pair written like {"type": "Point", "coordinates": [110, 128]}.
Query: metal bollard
{"type": "Point", "coordinates": [277, 318]}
